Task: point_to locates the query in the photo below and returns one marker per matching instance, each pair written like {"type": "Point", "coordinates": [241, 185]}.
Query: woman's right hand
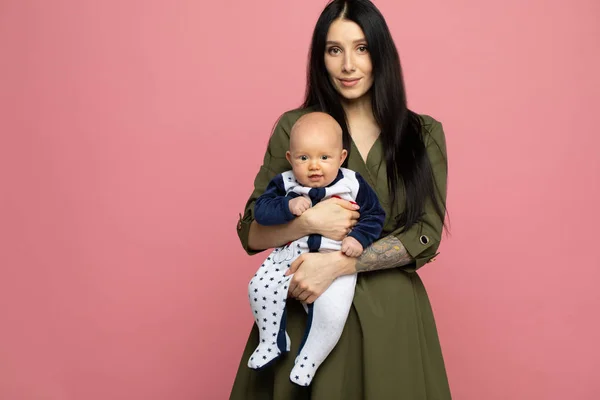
{"type": "Point", "coordinates": [333, 218]}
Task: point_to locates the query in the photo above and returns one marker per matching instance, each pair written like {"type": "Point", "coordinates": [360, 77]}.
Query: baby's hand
{"type": "Point", "coordinates": [299, 205]}
{"type": "Point", "coordinates": [351, 247]}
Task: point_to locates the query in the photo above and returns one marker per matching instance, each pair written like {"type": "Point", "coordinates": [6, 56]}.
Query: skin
{"type": "Point", "coordinates": [348, 62]}
{"type": "Point", "coordinates": [316, 149]}
{"type": "Point", "coordinates": [349, 67]}
{"type": "Point", "coordinates": [316, 155]}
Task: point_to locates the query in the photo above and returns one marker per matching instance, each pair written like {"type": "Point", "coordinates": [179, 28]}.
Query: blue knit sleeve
{"type": "Point", "coordinates": [372, 216]}
{"type": "Point", "coordinates": [272, 207]}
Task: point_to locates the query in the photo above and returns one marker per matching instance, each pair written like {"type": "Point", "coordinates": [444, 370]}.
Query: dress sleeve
{"type": "Point", "coordinates": [274, 162]}
{"type": "Point", "coordinates": [423, 238]}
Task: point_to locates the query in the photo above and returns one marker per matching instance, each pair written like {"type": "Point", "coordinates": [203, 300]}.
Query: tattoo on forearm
{"type": "Point", "coordinates": [385, 253]}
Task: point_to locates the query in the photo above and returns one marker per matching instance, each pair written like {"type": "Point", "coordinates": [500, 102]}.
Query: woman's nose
{"type": "Point", "coordinates": [348, 63]}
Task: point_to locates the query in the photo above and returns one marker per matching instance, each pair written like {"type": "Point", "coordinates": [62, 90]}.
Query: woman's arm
{"type": "Point", "coordinates": [387, 252]}
{"type": "Point", "coordinates": [263, 237]}
{"type": "Point", "coordinates": [332, 218]}
{"type": "Point", "coordinates": [416, 246]}
{"type": "Point", "coordinates": [314, 272]}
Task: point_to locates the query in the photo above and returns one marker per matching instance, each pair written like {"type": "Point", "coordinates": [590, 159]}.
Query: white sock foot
{"type": "Point", "coordinates": [266, 353]}
{"type": "Point", "coordinates": [326, 323]}
{"type": "Point", "coordinates": [267, 293]}
{"type": "Point", "coordinates": [303, 371]}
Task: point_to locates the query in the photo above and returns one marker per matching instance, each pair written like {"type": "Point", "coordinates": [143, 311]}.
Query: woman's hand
{"type": "Point", "coordinates": [332, 218]}
{"type": "Point", "coordinates": [314, 272]}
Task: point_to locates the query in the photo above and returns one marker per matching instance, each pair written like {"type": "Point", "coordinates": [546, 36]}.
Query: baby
{"type": "Point", "coordinates": [316, 154]}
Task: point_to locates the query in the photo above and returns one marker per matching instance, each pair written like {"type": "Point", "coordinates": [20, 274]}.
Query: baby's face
{"type": "Point", "coordinates": [316, 155]}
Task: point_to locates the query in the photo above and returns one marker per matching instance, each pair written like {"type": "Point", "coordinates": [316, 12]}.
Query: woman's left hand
{"type": "Point", "coordinates": [314, 272]}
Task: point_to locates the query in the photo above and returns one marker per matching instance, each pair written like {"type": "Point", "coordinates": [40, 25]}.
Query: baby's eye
{"type": "Point", "coordinates": [324, 157]}
{"type": "Point", "coordinates": [303, 158]}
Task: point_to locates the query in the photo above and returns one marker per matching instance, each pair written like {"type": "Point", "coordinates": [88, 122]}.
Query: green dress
{"type": "Point", "coordinates": [389, 348]}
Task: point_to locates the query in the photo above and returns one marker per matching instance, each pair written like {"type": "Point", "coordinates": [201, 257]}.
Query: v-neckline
{"type": "Point", "coordinates": [365, 162]}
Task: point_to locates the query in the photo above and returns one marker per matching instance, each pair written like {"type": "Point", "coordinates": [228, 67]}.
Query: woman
{"type": "Point", "coordinates": [389, 348]}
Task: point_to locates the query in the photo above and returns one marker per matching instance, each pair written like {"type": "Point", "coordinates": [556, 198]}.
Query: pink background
{"type": "Point", "coordinates": [130, 135]}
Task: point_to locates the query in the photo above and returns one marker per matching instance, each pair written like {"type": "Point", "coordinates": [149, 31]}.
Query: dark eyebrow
{"type": "Point", "coordinates": [338, 43]}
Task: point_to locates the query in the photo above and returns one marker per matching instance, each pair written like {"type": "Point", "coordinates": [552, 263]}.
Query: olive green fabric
{"type": "Point", "coordinates": [389, 348]}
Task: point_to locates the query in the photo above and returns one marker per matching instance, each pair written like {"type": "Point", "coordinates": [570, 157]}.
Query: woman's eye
{"type": "Point", "coordinates": [362, 49]}
{"type": "Point", "coordinates": [334, 50]}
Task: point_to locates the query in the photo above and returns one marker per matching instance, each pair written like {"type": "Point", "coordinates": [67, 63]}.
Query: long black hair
{"type": "Point", "coordinates": [401, 129]}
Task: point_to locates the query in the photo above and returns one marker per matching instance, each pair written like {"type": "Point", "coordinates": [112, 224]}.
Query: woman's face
{"type": "Point", "coordinates": [347, 59]}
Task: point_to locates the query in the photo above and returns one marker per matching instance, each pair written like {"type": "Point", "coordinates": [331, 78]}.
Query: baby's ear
{"type": "Point", "coordinates": [288, 156]}
{"type": "Point", "coordinates": [343, 156]}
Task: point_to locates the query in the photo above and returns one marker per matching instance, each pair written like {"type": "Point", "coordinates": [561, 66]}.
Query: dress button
{"type": "Point", "coordinates": [424, 240]}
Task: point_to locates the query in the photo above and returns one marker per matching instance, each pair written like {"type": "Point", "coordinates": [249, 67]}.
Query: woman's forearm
{"type": "Point", "coordinates": [387, 252]}
{"type": "Point", "coordinates": [263, 237]}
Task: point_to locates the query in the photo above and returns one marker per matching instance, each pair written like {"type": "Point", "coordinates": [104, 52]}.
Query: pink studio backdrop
{"type": "Point", "coordinates": [130, 135]}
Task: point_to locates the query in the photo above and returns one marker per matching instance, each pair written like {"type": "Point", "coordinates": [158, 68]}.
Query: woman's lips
{"type": "Point", "coordinates": [349, 82]}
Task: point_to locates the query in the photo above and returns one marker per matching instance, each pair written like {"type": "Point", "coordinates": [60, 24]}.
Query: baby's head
{"type": "Point", "coordinates": [316, 149]}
